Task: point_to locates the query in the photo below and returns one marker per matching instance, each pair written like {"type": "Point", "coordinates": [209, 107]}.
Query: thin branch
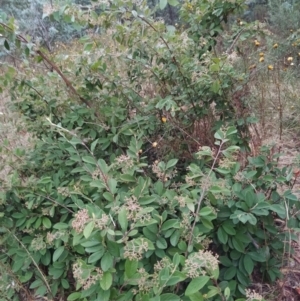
{"type": "Point", "coordinates": [42, 97]}
{"type": "Point", "coordinates": [36, 265]}
{"type": "Point", "coordinates": [203, 193]}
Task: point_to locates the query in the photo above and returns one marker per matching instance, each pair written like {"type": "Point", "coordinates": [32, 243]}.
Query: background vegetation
{"type": "Point", "coordinates": [146, 172]}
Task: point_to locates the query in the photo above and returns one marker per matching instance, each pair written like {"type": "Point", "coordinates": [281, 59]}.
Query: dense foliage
{"type": "Point", "coordinates": [133, 190]}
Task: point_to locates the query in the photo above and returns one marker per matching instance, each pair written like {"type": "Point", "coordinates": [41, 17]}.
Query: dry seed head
{"type": "Point", "coordinates": [262, 59]}
{"type": "Point", "coordinates": [275, 45]}
{"type": "Point", "coordinates": [290, 58]}
{"type": "Point", "coordinates": [270, 67]}
{"type": "Point", "coordinates": [154, 144]}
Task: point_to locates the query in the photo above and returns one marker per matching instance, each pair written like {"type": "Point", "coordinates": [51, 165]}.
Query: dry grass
{"type": "Point", "coordinates": [12, 137]}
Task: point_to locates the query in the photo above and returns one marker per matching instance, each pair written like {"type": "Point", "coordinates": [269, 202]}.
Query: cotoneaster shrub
{"type": "Point", "coordinates": [133, 190]}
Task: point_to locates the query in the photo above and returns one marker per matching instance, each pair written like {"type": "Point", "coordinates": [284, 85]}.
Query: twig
{"type": "Point", "coordinates": [36, 265]}
{"type": "Point", "coordinates": [202, 196]}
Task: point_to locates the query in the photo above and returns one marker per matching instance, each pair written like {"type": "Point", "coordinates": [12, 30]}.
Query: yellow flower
{"type": "Point", "coordinates": [289, 59]}
{"type": "Point", "coordinates": [154, 144]}
{"type": "Point", "coordinates": [189, 6]}
{"type": "Point", "coordinates": [256, 43]}
{"type": "Point", "coordinates": [275, 45]}
{"type": "Point", "coordinates": [262, 59]}
{"type": "Point", "coordinates": [270, 67]}
{"type": "Point", "coordinates": [252, 67]}
{"type": "Point", "coordinates": [164, 119]}
{"type": "Point", "coordinates": [261, 54]}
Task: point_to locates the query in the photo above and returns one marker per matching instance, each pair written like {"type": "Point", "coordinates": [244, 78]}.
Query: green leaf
{"type": "Point", "coordinates": [106, 262]}
{"type": "Point", "coordinates": [103, 166]}
{"type": "Point", "coordinates": [227, 293]}
{"type": "Point", "coordinates": [196, 284]}
{"type": "Point", "coordinates": [196, 297]}
{"type": "Point", "coordinates": [238, 245]}
{"type": "Point", "coordinates": [217, 189]}
{"type": "Point", "coordinates": [57, 253]}
{"type": "Point", "coordinates": [122, 219]}
{"type": "Point", "coordinates": [229, 228]}
{"type": "Point", "coordinates": [113, 248]}
{"type": "Point", "coordinates": [112, 184]}
{"type": "Point", "coordinates": [17, 265]}
{"type": "Point", "coordinates": [93, 145]}
{"type": "Point", "coordinates": [175, 238]}
{"type": "Point", "coordinates": [91, 243]}
{"type": "Point", "coordinates": [46, 222]}
{"type": "Point", "coordinates": [248, 264]}
{"type": "Point", "coordinates": [215, 87]}
{"type": "Point", "coordinates": [222, 235]}
{"type": "Point", "coordinates": [106, 281]}
{"type": "Point", "coordinates": [105, 295]}
{"type": "Point", "coordinates": [171, 163]}
{"type": "Point", "coordinates": [97, 183]}
{"type": "Point", "coordinates": [219, 135]}
{"type": "Point", "coordinates": [171, 223]}
{"type": "Point", "coordinates": [41, 291]}
{"type": "Point", "coordinates": [291, 197]}
{"type": "Point", "coordinates": [259, 256]}
{"type": "Point", "coordinates": [163, 4]}
{"type": "Point", "coordinates": [207, 223]}
{"type": "Point", "coordinates": [74, 296]}
{"type": "Point", "coordinates": [65, 284]}
{"type": "Point", "coordinates": [205, 211]}
{"type": "Point", "coordinates": [127, 178]}
{"type": "Point", "coordinates": [214, 67]}
{"type": "Point", "coordinates": [96, 256]}
{"type": "Point", "coordinates": [130, 267]}
{"type": "Point", "coordinates": [222, 171]}
{"type": "Point", "coordinates": [212, 292]}
{"type": "Point", "coordinates": [89, 159]}
{"type": "Point", "coordinates": [169, 297]}
{"type": "Point", "coordinates": [250, 198]}
{"type": "Point", "coordinates": [88, 47]}
{"type": "Point", "coordinates": [161, 243]}
{"type": "Point", "coordinates": [173, 2]}
{"type": "Point", "coordinates": [108, 196]}
{"type": "Point", "coordinates": [230, 273]}
{"type": "Point", "coordinates": [249, 175]}
{"type": "Point", "coordinates": [225, 261]}
{"type": "Point", "coordinates": [61, 226]}
{"type": "Point", "coordinates": [279, 209]}
{"type": "Point", "coordinates": [231, 130]}
{"type": "Point", "coordinates": [36, 283]}
{"type": "Point", "coordinates": [88, 229]}
{"type": "Point", "coordinates": [6, 45]}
